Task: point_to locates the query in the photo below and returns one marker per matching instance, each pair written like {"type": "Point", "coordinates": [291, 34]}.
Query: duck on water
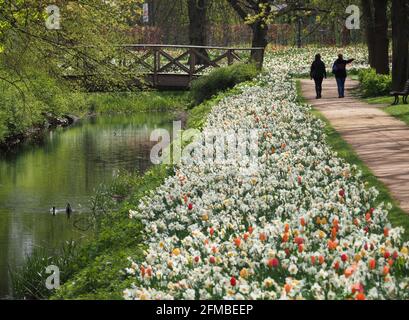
{"type": "Point", "coordinates": [68, 210]}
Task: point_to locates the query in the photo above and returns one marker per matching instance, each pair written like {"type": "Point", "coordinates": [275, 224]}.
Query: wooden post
{"type": "Point", "coordinates": [192, 59]}
{"type": "Point", "coordinates": [156, 65]}
{"type": "Point", "coordinates": [230, 57]}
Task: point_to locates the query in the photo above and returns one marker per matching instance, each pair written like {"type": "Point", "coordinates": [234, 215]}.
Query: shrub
{"type": "Point", "coordinates": [221, 79]}
{"type": "Point", "coordinates": [373, 84]}
{"type": "Point", "coordinates": [24, 105]}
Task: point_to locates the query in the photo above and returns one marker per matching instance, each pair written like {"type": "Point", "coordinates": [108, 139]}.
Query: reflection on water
{"type": "Point", "coordinates": [66, 167]}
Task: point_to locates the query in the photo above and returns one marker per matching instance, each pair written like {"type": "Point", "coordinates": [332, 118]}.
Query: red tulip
{"type": "Point", "coordinates": [342, 193]}
{"type": "Point", "coordinates": [273, 263]}
{"type": "Point", "coordinates": [212, 260]}
{"type": "Point", "coordinates": [190, 206]}
{"type": "Point", "coordinates": [358, 287]}
{"type": "Point", "coordinates": [233, 281]}
{"type": "Point", "coordinates": [344, 257]}
{"type": "Point", "coordinates": [372, 264]}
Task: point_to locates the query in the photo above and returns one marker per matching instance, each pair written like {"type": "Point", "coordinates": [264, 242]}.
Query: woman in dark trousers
{"type": "Point", "coordinates": [318, 73]}
{"type": "Point", "coordinates": [340, 71]}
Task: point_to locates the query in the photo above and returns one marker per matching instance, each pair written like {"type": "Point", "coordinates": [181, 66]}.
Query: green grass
{"type": "Point", "coordinates": [220, 80]}
{"type": "Point", "coordinates": [99, 272]}
{"type": "Point", "coordinates": [388, 100]}
{"type": "Point", "coordinates": [400, 111]}
{"type": "Point", "coordinates": [132, 102]}
{"type": "Point", "coordinates": [397, 216]}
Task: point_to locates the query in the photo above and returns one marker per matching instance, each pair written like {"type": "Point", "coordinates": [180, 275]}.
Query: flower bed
{"type": "Point", "coordinates": [298, 61]}
{"type": "Point", "coordinates": [303, 226]}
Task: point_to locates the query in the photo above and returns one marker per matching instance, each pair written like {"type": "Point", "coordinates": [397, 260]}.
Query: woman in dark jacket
{"type": "Point", "coordinates": [340, 71]}
{"type": "Point", "coordinates": [318, 73]}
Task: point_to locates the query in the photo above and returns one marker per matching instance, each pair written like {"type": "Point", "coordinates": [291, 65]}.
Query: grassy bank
{"type": "Point", "coordinates": [94, 270]}
{"type": "Point", "coordinates": [99, 266]}
{"type": "Point", "coordinates": [397, 216]}
{"type": "Point", "coordinates": [42, 102]}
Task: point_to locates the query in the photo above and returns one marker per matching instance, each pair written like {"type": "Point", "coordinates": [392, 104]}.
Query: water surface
{"type": "Point", "coordinates": [66, 166]}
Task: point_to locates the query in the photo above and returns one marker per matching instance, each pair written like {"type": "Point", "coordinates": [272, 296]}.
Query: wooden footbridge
{"type": "Point", "coordinates": [173, 66]}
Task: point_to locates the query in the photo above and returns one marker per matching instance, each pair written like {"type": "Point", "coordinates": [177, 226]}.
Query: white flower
{"type": "Point", "coordinates": [293, 269]}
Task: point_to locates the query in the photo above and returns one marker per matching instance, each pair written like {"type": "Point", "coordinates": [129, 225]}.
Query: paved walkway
{"type": "Point", "coordinates": [380, 140]}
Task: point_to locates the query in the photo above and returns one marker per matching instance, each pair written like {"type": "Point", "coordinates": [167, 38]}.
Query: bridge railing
{"type": "Point", "coordinates": [191, 61]}
{"type": "Point", "coordinates": [161, 65]}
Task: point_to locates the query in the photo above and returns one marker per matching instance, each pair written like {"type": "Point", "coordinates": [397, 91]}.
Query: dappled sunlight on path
{"type": "Point", "coordinates": [379, 139]}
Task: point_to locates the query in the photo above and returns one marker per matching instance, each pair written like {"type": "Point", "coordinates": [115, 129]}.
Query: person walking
{"type": "Point", "coordinates": [339, 69]}
{"type": "Point", "coordinates": [318, 73]}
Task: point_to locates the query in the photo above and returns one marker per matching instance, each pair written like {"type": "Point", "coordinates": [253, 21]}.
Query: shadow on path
{"type": "Point", "coordinates": [379, 139]}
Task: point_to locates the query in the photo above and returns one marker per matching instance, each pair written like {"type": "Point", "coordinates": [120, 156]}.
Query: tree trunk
{"type": "Point", "coordinates": [400, 35]}
{"type": "Point", "coordinates": [259, 40]}
{"type": "Point", "coordinates": [369, 29]}
{"type": "Point", "coordinates": [346, 36]}
{"type": "Point", "coordinates": [381, 62]}
{"type": "Point", "coordinates": [197, 27]}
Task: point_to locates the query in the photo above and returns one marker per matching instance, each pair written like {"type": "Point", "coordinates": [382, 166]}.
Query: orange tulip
{"type": "Point", "coordinates": [334, 233]}
{"type": "Point", "coordinates": [360, 296]}
{"type": "Point", "coordinates": [332, 245]}
{"type": "Point", "coordinates": [348, 272]}
{"type": "Point", "coordinates": [287, 288]}
{"type": "Point", "coordinates": [385, 270]}
{"type": "Point", "coordinates": [321, 259]}
{"type": "Point", "coordinates": [263, 237]}
{"type": "Point", "coordinates": [237, 242]}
